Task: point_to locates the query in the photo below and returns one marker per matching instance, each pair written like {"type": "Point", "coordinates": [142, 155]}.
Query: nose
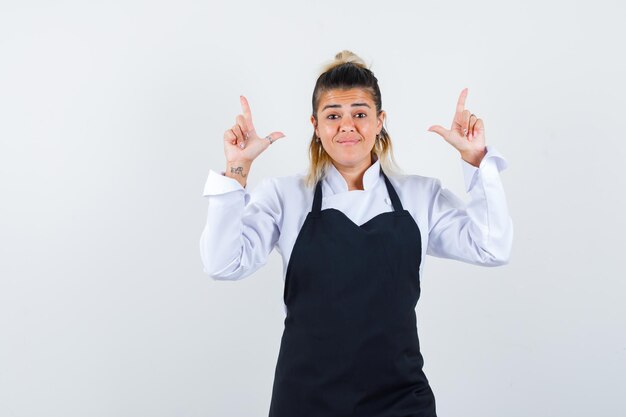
{"type": "Point", "coordinates": [347, 124]}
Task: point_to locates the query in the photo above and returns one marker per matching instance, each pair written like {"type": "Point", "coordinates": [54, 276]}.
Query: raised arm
{"type": "Point", "coordinates": [480, 232]}
{"type": "Point", "coordinates": [242, 227]}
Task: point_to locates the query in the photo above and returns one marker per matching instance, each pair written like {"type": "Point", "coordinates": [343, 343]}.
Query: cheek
{"type": "Point", "coordinates": [327, 128]}
{"type": "Point", "coordinates": [367, 127]}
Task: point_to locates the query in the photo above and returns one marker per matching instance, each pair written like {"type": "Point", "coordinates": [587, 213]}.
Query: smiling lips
{"type": "Point", "coordinates": [350, 141]}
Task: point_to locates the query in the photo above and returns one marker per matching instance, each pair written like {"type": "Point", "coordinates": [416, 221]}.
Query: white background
{"type": "Point", "coordinates": [112, 113]}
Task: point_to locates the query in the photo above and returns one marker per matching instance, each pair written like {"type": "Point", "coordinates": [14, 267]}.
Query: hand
{"type": "Point", "coordinates": [241, 142]}
{"type": "Point", "coordinates": [467, 133]}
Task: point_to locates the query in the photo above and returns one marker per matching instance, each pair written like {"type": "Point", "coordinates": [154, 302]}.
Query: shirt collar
{"type": "Point", "coordinates": [338, 184]}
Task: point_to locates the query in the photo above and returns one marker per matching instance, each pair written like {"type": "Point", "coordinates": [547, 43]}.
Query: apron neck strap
{"type": "Point", "coordinates": [397, 205]}
{"type": "Point", "coordinates": [317, 199]}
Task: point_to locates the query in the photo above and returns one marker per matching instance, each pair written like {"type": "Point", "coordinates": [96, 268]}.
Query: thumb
{"type": "Point", "coordinates": [276, 135]}
{"type": "Point", "coordinates": [440, 130]}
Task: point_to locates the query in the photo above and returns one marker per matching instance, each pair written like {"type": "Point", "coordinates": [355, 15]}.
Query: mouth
{"type": "Point", "coordinates": [348, 141]}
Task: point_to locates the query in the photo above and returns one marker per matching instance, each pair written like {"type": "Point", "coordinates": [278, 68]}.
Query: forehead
{"type": "Point", "coordinates": [340, 96]}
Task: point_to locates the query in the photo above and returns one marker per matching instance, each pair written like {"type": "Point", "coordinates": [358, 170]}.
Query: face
{"type": "Point", "coordinates": [347, 125]}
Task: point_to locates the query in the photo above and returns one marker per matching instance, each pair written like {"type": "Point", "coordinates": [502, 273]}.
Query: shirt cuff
{"type": "Point", "coordinates": [218, 183]}
{"type": "Point", "coordinates": [470, 171]}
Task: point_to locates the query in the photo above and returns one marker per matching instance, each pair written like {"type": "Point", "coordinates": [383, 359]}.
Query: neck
{"type": "Point", "coordinates": [353, 174]}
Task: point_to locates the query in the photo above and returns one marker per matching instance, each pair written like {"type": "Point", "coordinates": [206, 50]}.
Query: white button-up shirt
{"type": "Point", "coordinates": [244, 226]}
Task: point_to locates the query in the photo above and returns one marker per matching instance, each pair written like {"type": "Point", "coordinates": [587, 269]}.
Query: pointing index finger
{"type": "Point", "coordinates": [247, 114]}
{"type": "Point", "coordinates": [460, 105]}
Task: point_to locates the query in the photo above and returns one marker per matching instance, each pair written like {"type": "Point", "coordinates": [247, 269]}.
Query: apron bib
{"type": "Point", "coordinates": [350, 344]}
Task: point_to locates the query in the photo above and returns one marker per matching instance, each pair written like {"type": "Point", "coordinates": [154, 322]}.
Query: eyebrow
{"type": "Point", "coordinates": [328, 106]}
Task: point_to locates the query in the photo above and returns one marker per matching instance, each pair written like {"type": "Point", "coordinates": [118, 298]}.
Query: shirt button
{"type": "Point", "coordinates": [387, 201]}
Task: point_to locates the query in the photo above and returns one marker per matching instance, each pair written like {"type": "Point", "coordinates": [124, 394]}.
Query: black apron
{"type": "Point", "coordinates": [350, 345]}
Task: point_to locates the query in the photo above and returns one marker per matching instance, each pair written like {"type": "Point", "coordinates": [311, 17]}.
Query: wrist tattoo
{"type": "Point", "coordinates": [237, 170]}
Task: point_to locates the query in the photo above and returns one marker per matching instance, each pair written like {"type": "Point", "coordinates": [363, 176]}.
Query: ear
{"type": "Point", "coordinates": [381, 119]}
{"type": "Point", "coordinates": [314, 123]}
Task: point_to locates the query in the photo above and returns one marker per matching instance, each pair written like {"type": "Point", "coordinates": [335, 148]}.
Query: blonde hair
{"type": "Point", "coordinates": [348, 71]}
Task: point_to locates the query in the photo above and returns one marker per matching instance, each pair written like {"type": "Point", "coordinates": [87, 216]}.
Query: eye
{"type": "Point", "coordinates": [330, 116]}
{"type": "Point", "coordinates": [364, 115]}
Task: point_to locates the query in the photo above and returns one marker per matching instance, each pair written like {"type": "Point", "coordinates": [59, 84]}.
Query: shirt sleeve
{"type": "Point", "coordinates": [479, 232]}
{"type": "Point", "coordinates": [242, 227]}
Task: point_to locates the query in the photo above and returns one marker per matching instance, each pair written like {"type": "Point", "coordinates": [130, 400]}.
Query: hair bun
{"type": "Point", "coordinates": [344, 57]}
{"type": "Point", "coordinates": [349, 56]}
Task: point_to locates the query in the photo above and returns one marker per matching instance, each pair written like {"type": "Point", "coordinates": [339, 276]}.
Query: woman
{"type": "Point", "coordinates": [352, 240]}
